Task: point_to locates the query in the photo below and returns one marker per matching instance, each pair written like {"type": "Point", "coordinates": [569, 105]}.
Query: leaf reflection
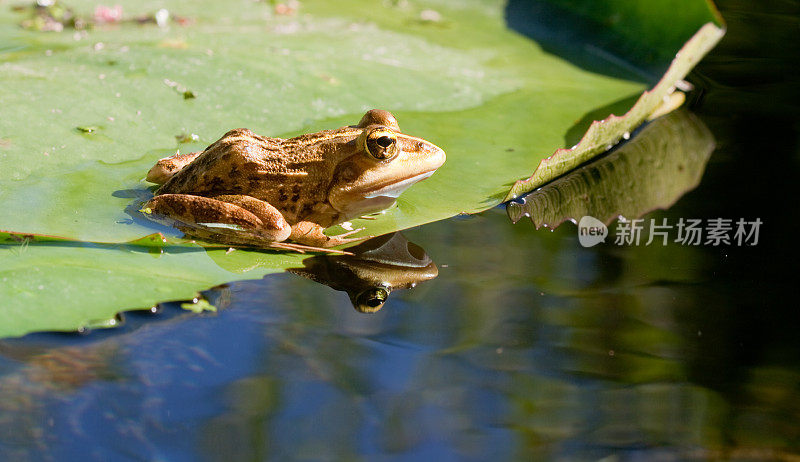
{"type": "Point", "coordinates": [651, 171]}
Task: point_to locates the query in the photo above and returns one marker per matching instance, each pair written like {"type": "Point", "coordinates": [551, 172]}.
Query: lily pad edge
{"type": "Point", "coordinates": [605, 134]}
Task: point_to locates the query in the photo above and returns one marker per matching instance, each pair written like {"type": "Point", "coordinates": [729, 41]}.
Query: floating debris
{"type": "Point", "coordinates": [402, 4]}
{"type": "Point", "coordinates": [185, 92]}
{"type": "Point", "coordinates": [162, 17]}
{"type": "Point", "coordinates": [54, 16]}
{"type": "Point", "coordinates": [50, 16]}
{"type": "Point", "coordinates": [107, 14]}
{"type": "Point", "coordinates": [177, 44]}
{"type": "Point", "coordinates": [430, 16]}
{"type": "Point", "coordinates": [187, 138]}
{"type": "Point", "coordinates": [288, 8]}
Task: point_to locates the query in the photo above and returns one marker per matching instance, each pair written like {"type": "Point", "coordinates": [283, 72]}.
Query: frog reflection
{"type": "Point", "coordinates": [376, 267]}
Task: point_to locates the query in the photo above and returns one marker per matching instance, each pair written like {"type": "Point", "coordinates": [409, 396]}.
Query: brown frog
{"type": "Point", "coordinates": [246, 189]}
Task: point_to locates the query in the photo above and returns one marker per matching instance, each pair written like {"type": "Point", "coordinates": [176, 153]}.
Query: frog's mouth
{"type": "Point", "coordinates": [379, 199]}
{"type": "Point", "coordinates": [395, 189]}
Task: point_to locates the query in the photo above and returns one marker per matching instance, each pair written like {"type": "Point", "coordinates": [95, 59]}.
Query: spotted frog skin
{"type": "Point", "coordinates": [246, 189]}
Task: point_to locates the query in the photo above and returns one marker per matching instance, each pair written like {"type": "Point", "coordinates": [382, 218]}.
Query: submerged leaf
{"type": "Point", "coordinates": [199, 305]}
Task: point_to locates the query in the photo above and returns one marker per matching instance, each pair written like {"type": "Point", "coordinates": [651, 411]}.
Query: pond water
{"type": "Point", "coordinates": [526, 345]}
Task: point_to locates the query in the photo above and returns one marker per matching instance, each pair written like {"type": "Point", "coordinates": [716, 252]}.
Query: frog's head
{"type": "Point", "coordinates": [384, 164]}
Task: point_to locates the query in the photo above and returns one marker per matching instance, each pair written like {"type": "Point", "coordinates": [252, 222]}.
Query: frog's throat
{"type": "Point", "coordinates": [395, 189]}
{"type": "Point", "coordinates": [379, 199]}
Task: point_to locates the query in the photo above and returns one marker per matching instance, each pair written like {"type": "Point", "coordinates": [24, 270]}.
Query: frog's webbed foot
{"type": "Point", "coordinates": [312, 234]}
{"type": "Point", "coordinates": [300, 248]}
{"type": "Point", "coordinates": [339, 239]}
{"type": "Point", "coordinates": [234, 219]}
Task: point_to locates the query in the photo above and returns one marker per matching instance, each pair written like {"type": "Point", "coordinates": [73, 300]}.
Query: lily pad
{"type": "Point", "coordinates": [604, 134]}
{"type": "Point", "coordinates": [497, 101]}
{"type": "Point", "coordinates": [651, 171]}
{"type": "Point", "coordinates": [53, 284]}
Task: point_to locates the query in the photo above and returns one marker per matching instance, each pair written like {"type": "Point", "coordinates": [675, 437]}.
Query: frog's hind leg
{"type": "Point", "coordinates": [256, 220]}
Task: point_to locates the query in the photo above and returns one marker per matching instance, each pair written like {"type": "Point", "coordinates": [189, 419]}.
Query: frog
{"type": "Point", "coordinates": [251, 190]}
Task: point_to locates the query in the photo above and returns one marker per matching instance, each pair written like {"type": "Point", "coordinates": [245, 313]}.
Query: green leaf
{"type": "Point", "coordinates": [54, 284]}
{"type": "Point", "coordinates": [603, 134]}
{"type": "Point", "coordinates": [494, 99]}
{"type": "Point", "coordinates": [651, 171]}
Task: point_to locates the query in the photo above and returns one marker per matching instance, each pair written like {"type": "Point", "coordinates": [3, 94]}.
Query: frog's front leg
{"type": "Point", "coordinates": [308, 233]}
{"type": "Point", "coordinates": [258, 220]}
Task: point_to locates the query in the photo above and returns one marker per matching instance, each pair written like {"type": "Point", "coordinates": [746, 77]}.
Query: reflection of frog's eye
{"type": "Point", "coordinates": [371, 300]}
{"type": "Point", "coordinates": [381, 145]}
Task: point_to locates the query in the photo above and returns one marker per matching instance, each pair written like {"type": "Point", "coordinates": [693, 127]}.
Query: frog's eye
{"type": "Point", "coordinates": [381, 144]}
{"type": "Point", "coordinates": [370, 300]}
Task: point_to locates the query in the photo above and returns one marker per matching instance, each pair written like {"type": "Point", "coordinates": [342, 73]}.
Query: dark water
{"type": "Point", "coordinates": [526, 345]}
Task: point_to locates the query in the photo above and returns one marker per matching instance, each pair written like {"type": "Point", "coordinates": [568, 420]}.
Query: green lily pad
{"type": "Point", "coordinates": [651, 171]}
{"type": "Point", "coordinates": [52, 284]}
{"type": "Point", "coordinates": [603, 134]}
{"type": "Point", "coordinates": [497, 101]}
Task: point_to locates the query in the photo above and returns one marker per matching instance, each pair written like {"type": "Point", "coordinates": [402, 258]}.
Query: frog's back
{"type": "Point", "coordinates": [229, 165]}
